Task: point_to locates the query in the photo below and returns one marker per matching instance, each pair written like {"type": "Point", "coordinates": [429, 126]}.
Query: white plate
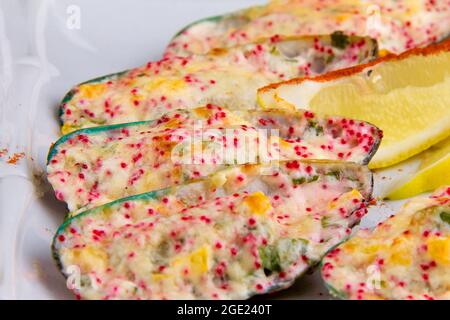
{"type": "Point", "coordinates": [40, 59]}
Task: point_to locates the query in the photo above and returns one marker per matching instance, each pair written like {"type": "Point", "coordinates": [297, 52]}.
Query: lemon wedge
{"type": "Point", "coordinates": [407, 96]}
{"type": "Point", "coordinates": [434, 171]}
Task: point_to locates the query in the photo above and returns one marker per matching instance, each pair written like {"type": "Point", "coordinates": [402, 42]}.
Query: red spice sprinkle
{"type": "Point", "coordinates": [424, 267]}
{"type": "Point", "coordinates": [292, 165]}
{"type": "Point", "coordinates": [219, 270]}
{"type": "Point", "coordinates": [61, 238]}
{"type": "Point", "coordinates": [205, 219]}
{"type": "Point", "coordinates": [15, 158]}
{"type": "Point", "coordinates": [98, 233]}
{"type": "Point", "coordinates": [309, 114]}
{"type": "Point", "coordinates": [137, 157]}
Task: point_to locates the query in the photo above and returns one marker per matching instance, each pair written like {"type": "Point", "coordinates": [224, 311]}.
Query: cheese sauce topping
{"type": "Point", "coordinates": [98, 165]}
{"type": "Point", "coordinates": [405, 257]}
{"type": "Point", "coordinates": [398, 25]}
{"type": "Point", "coordinates": [215, 241]}
{"type": "Point", "coordinates": [228, 77]}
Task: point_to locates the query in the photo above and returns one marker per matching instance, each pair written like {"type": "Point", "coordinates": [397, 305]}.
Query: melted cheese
{"type": "Point", "coordinates": [258, 203]}
{"type": "Point", "coordinates": [91, 168]}
{"type": "Point", "coordinates": [229, 79]}
{"type": "Point", "coordinates": [398, 25]}
{"type": "Point", "coordinates": [405, 257]}
{"type": "Point", "coordinates": [88, 258]}
{"type": "Point", "coordinates": [439, 250]}
{"type": "Point", "coordinates": [91, 90]}
{"type": "Point", "coordinates": [213, 243]}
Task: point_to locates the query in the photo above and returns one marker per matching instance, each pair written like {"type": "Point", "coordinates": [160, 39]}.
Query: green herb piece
{"type": "Point", "coordinates": [339, 40]}
{"type": "Point", "coordinates": [274, 51]}
{"type": "Point", "coordinates": [330, 58]}
{"type": "Point", "coordinates": [299, 181]}
{"type": "Point", "coordinates": [302, 180]}
{"type": "Point", "coordinates": [445, 216]}
{"type": "Point", "coordinates": [270, 259]}
{"type": "Point", "coordinates": [319, 130]}
{"type": "Point", "coordinates": [335, 174]}
{"type": "Point", "coordinates": [314, 125]}
{"type": "Point", "coordinates": [282, 254]}
{"type": "Point", "coordinates": [325, 222]}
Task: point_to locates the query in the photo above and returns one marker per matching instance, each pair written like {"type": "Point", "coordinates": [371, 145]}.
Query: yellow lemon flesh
{"type": "Point", "coordinates": [434, 171]}
{"type": "Point", "coordinates": [407, 97]}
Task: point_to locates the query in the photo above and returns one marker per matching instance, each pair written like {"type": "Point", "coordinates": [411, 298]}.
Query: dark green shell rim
{"type": "Point", "coordinates": [153, 195]}
{"type": "Point", "coordinates": [215, 18]}
{"type": "Point", "coordinates": [69, 95]}
{"type": "Point", "coordinates": [92, 130]}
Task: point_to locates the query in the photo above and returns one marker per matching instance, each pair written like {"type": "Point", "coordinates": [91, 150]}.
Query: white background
{"type": "Point", "coordinates": [40, 59]}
